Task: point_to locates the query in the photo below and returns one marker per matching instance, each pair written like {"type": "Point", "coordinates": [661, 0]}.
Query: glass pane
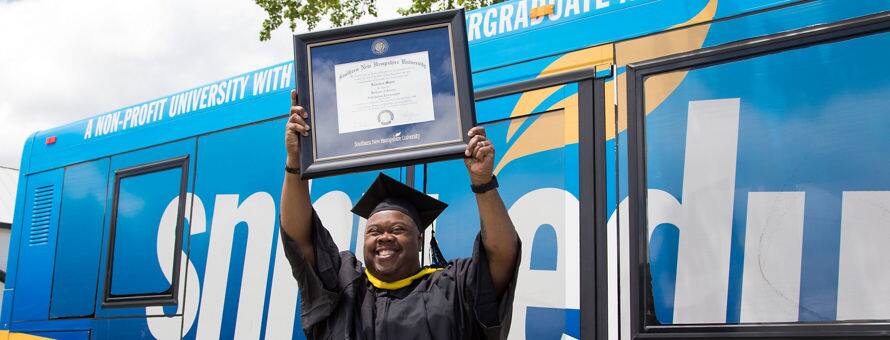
{"type": "Point", "coordinates": [769, 187]}
{"type": "Point", "coordinates": [141, 203]}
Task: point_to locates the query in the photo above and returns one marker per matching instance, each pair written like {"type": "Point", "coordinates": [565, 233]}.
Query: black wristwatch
{"type": "Point", "coordinates": [295, 171]}
{"type": "Point", "coordinates": [483, 188]}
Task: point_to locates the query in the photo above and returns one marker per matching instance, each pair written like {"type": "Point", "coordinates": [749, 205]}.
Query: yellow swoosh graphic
{"type": "Point", "coordinates": [544, 133]}
{"type": "Point", "coordinates": [671, 42]}
{"type": "Point", "coordinates": [551, 130]}
{"type": "Point", "coordinates": [528, 101]}
{"type": "Point", "coordinates": [556, 129]}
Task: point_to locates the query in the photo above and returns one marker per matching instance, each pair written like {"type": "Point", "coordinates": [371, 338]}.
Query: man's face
{"type": "Point", "coordinates": [392, 243]}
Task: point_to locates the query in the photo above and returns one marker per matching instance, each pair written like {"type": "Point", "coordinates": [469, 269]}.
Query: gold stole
{"type": "Point", "coordinates": [400, 283]}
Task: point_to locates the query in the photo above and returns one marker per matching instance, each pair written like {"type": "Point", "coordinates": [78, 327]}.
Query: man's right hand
{"type": "Point", "coordinates": [296, 211]}
{"type": "Point", "coordinates": [296, 126]}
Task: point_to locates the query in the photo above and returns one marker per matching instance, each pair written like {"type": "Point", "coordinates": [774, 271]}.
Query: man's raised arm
{"type": "Point", "coordinates": [498, 234]}
{"type": "Point", "coordinates": [296, 209]}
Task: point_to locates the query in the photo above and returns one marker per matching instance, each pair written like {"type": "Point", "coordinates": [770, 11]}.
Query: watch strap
{"type": "Point", "coordinates": [483, 188]}
{"type": "Point", "coordinates": [295, 171]}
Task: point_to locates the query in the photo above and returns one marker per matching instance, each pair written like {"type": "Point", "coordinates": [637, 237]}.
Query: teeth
{"type": "Point", "coordinates": [386, 252]}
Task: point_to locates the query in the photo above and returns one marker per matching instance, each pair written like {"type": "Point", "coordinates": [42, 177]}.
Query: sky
{"type": "Point", "coordinates": [62, 61]}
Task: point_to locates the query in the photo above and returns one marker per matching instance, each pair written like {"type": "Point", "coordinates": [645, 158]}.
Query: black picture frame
{"type": "Point", "coordinates": [315, 163]}
{"type": "Point", "coordinates": [641, 325]}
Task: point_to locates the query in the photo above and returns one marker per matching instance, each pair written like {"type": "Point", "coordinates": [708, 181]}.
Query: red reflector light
{"type": "Point", "coordinates": [50, 140]}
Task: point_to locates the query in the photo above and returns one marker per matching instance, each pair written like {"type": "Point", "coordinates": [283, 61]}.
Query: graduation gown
{"type": "Point", "coordinates": [338, 302]}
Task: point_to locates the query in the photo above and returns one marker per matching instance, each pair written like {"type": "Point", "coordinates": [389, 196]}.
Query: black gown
{"type": "Point", "coordinates": [338, 302]}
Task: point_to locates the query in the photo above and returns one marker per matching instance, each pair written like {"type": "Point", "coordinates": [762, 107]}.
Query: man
{"type": "Point", "coordinates": [393, 297]}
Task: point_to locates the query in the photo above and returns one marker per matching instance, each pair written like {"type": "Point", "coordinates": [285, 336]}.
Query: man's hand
{"type": "Point", "coordinates": [479, 156]}
{"type": "Point", "coordinates": [295, 210]}
{"type": "Point", "coordinates": [296, 126]}
{"type": "Point", "coordinates": [498, 234]}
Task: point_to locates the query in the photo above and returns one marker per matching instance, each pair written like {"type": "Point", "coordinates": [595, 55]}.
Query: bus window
{"type": "Point", "coordinates": [762, 185]}
{"type": "Point", "coordinates": [131, 275]}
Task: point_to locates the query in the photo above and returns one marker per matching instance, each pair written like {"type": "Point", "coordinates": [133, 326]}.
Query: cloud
{"type": "Point", "coordinates": [63, 61]}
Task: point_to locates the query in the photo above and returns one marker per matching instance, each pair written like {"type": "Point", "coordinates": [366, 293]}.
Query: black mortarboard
{"type": "Point", "coordinates": [387, 193]}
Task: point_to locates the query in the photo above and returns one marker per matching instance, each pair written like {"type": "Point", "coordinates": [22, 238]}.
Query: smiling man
{"type": "Point", "coordinates": [391, 296]}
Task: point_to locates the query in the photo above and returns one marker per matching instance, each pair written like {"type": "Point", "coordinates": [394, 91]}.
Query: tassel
{"type": "Point", "coordinates": [438, 259]}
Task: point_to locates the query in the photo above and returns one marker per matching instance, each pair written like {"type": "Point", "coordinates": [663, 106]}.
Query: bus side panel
{"type": "Point", "coordinates": [80, 234]}
{"type": "Point", "coordinates": [798, 16]}
{"type": "Point", "coordinates": [132, 328]}
{"type": "Point", "coordinates": [38, 245]}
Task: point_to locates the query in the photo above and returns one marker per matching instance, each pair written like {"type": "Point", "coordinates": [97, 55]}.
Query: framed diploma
{"type": "Point", "coordinates": [384, 94]}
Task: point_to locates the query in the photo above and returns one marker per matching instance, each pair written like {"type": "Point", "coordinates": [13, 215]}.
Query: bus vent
{"type": "Point", "coordinates": [41, 211]}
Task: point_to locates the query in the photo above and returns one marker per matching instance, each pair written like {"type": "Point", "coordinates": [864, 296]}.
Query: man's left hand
{"type": "Point", "coordinates": [479, 156]}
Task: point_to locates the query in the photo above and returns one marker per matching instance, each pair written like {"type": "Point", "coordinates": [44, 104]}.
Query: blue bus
{"type": "Point", "coordinates": [674, 168]}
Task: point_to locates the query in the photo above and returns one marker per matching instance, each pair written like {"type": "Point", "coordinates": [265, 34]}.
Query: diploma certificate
{"type": "Point", "coordinates": [384, 92]}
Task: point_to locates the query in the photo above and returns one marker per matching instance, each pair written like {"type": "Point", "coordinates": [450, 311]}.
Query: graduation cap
{"type": "Point", "coordinates": [386, 193]}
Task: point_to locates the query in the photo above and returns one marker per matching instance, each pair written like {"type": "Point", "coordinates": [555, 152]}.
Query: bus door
{"type": "Point", "coordinates": [76, 269]}
{"type": "Point", "coordinates": [543, 131]}
{"type": "Point", "coordinates": [141, 274]}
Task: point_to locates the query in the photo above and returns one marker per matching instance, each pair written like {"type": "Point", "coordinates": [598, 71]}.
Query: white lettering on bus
{"type": "Point", "coordinates": [558, 288]}
{"type": "Point", "coordinates": [132, 117]}
{"type": "Point", "coordinates": [600, 4]}
{"type": "Point", "coordinates": [473, 26]}
{"type": "Point", "coordinates": [572, 8]}
{"type": "Point", "coordinates": [272, 79]}
{"type": "Point", "coordinates": [557, 10]}
{"type": "Point", "coordinates": [513, 16]}
{"type": "Point", "coordinates": [257, 212]}
{"type": "Point", "coordinates": [504, 24]}
{"type": "Point", "coordinates": [536, 4]}
{"type": "Point", "coordinates": [491, 26]}
{"type": "Point", "coordinates": [205, 97]}
{"type": "Point", "coordinates": [189, 283]}
{"type": "Point", "coordinates": [521, 15]}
